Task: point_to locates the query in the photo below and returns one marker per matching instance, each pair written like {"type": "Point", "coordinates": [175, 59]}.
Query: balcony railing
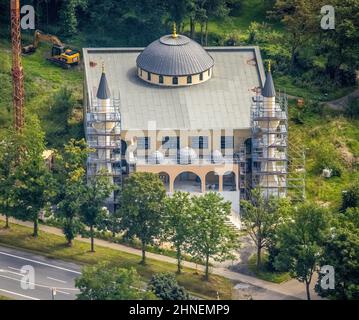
{"type": "Point", "coordinates": [91, 131]}
{"type": "Point", "coordinates": [103, 117]}
{"type": "Point", "coordinates": [174, 160]}
{"type": "Point", "coordinates": [104, 159]}
{"type": "Point", "coordinates": [103, 144]}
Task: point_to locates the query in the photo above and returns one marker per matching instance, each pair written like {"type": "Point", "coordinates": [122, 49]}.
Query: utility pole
{"type": "Point", "coordinates": [17, 69]}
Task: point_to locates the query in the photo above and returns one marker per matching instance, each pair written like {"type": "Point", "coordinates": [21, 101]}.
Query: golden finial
{"type": "Point", "coordinates": [174, 30]}
{"type": "Point", "coordinates": [103, 66]}
{"type": "Point", "coordinates": [269, 66]}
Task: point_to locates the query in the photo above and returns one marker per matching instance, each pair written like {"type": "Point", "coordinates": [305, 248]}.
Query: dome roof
{"type": "Point", "coordinates": [187, 155]}
{"type": "Point", "coordinates": [157, 157]}
{"type": "Point", "coordinates": [217, 156]}
{"type": "Point", "coordinates": [174, 56]}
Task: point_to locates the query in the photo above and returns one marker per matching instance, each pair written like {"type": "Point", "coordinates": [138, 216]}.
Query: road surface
{"type": "Point", "coordinates": [16, 282]}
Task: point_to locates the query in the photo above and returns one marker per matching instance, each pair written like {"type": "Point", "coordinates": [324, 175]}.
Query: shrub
{"type": "Point", "coordinates": [165, 286]}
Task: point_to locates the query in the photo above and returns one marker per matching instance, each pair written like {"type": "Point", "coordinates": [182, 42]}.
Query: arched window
{"type": "Point", "coordinates": [161, 79]}
{"type": "Point", "coordinates": [175, 80]}
{"type": "Point", "coordinates": [189, 79]}
{"type": "Point", "coordinates": [148, 76]}
{"type": "Point", "coordinates": [201, 77]}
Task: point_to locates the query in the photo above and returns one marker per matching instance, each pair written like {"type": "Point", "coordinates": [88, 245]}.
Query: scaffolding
{"type": "Point", "coordinates": [103, 135]}
{"type": "Point", "coordinates": [267, 161]}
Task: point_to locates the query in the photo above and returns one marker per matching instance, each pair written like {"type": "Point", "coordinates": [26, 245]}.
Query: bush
{"type": "Point", "coordinates": [165, 286]}
{"type": "Point", "coordinates": [326, 157]}
{"type": "Point", "coordinates": [350, 197]}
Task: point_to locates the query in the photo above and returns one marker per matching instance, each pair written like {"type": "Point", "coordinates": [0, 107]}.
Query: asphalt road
{"type": "Point", "coordinates": [17, 280]}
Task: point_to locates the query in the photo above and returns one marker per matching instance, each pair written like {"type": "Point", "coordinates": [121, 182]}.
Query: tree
{"type": "Point", "coordinates": [33, 187]}
{"type": "Point", "coordinates": [300, 20]}
{"type": "Point", "coordinates": [300, 242]}
{"type": "Point", "coordinates": [261, 217]}
{"type": "Point", "coordinates": [179, 10]}
{"type": "Point", "coordinates": [211, 236]}
{"type": "Point", "coordinates": [341, 251]}
{"type": "Point", "coordinates": [142, 208]}
{"type": "Point", "coordinates": [165, 286]}
{"type": "Point", "coordinates": [70, 184]}
{"type": "Point", "coordinates": [92, 210]}
{"type": "Point", "coordinates": [177, 221]}
{"type": "Point", "coordinates": [8, 161]}
{"type": "Point", "coordinates": [105, 282]}
{"type": "Point", "coordinates": [68, 15]}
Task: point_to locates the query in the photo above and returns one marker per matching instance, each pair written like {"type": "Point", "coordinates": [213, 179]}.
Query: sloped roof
{"type": "Point", "coordinates": [178, 56]}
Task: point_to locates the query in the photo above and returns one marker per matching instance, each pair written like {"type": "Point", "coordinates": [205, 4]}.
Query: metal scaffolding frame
{"type": "Point", "coordinates": [106, 159]}
{"type": "Point", "coordinates": [269, 161]}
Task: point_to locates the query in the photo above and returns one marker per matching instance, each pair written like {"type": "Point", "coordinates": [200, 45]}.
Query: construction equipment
{"type": "Point", "coordinates": [17, 70]}
{"type": "Point", "coordinates": [61, 55]}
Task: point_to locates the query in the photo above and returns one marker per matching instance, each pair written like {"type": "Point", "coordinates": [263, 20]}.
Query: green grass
{"type": "Point", "coordinates": [313, 92]}
{"type": "Point", "coordinates": [251, 11]}
{"type": "Point", "coordinates": [42, 81]}
{"type": "Point", "coordinates": [276, 277]}
{"type": "Point", "coordinates": [4, 298]}
{"type": "Point", "coordinates": [53, 246]}
{"type": "Point", "coordinates": [329, 130]}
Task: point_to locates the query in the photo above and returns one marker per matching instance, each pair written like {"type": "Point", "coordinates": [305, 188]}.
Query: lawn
{"type": "Point", "coordinates": [42, 81]}
{"type": "Point", "coordinates": [53, 246]}
{"type": "Point", "coordinates": [264, 273]}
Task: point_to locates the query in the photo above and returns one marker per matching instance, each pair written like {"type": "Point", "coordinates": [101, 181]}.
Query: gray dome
{"type": "Point", "coordinates": [174, 56]}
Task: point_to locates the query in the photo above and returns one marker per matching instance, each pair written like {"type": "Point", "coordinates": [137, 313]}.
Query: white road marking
{"type": "Point", "coordinates": [18, 294]}
{"type": "Point", "coordinates": [12, 268]}
{"type": "Point", "coordinates": [12, 272]}
{"type": "Point", "coordinates": [39, 285]}
{"type": "Point", "coordinates": [56, 280]}
{"type": "Point", "coordinates": [38, 262]}
{"type": "Point", "coordinates": [63, 292]}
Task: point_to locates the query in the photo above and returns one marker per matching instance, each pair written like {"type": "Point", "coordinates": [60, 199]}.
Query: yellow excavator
{"type": "Point", "coordinates": [60, 55]}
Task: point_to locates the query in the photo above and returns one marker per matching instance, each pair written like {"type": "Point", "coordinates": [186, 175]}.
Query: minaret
{"type": "Point", "coordinates": [104, 125]}
{"type": "Point", "coordinates": [269, 124]}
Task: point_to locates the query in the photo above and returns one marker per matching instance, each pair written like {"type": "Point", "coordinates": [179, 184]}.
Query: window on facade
{"type": "Point", "coordinates": [161, 79]}
{"type": "Point", "coordinates": [209, 72]}
{"type": "Point", "coordinates": [175, 80]}
{"type": "Point", "coordinates": [189, 79]}
{"type": "Point", "coordinates": [200, 76]}
{"type": "Point", "coordinates": [227, 142]}
{"type": "Point", "coordinates": [143, 143]}
{"type": "Point", "coordinates": [170, 142]}
{"type": "Point", "coordinates": [200, 142]}
{"type": "Point", "coordinates": [148, 76]}
{"type": "Point", "coordinates": [140, 72]}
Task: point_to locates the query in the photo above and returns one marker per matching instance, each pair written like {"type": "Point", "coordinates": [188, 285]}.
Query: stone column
{"type": "Point", "coordinates": [220, 183]}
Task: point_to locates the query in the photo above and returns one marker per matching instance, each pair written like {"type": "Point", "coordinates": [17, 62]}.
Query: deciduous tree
{"type": "Point", "coordinates": [177, 221]}
{"type": "Point", "coordinates": [142, 208]}
{"type": "Point", "coordinates": [300, 243]}
{"type": "Point", "coordinates": [211, 236]}
{"type": "Point", "coordinates": [93, 210]}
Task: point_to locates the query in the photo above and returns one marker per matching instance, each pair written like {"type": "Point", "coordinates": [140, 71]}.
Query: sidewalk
{"type": "Point", "coordinates": [292, 288]}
